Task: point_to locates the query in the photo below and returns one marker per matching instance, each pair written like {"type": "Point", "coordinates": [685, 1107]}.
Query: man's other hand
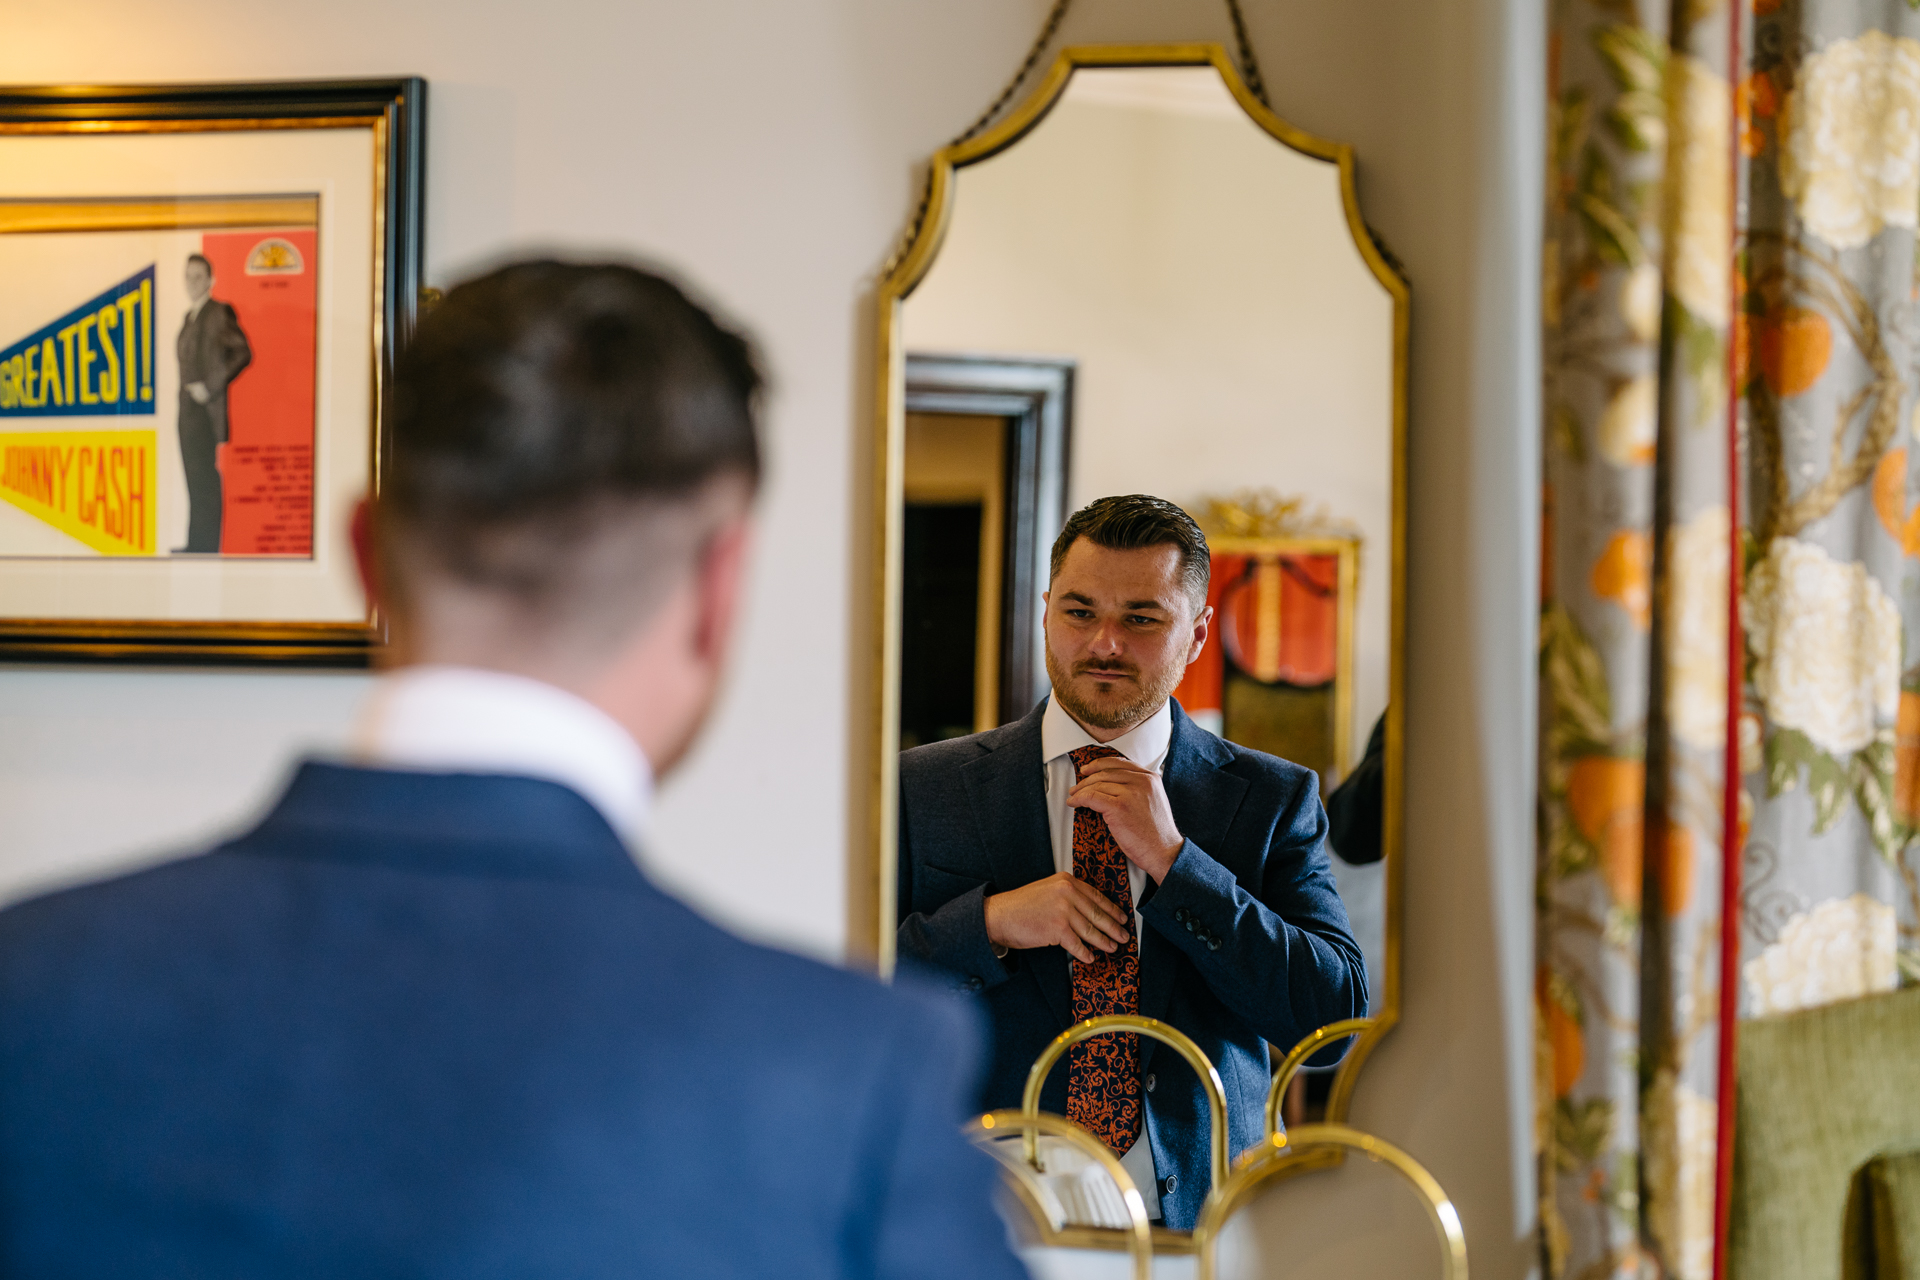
{"type": "Point", "coordinates": [1134, 802]}
{"type": "Point", "coordinates": [1059, 911]}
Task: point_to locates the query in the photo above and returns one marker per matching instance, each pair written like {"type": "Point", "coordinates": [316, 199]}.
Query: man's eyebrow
{"type": "Point", "coordinates": [1076, 596]}
{"type": "Point", "coordinates": [1148, 604]}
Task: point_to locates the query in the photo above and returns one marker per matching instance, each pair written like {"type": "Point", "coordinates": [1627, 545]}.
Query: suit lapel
{"type": "Point", "coordinates": [1009, 801]}
{"type": "Point", "coordinates": [1204, 798]}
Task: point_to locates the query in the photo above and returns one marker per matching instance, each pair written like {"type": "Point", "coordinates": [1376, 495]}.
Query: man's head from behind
{"type": "Point", "coordinates": [574, 453]}
{"type": "Point", "coordinates": [1126, 609]}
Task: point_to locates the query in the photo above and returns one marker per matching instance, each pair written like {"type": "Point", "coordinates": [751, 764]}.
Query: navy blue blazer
{"type": "Point", "coordinates": [439, 1025]}
{"type": "Point", "coordinates": [1246, 941]}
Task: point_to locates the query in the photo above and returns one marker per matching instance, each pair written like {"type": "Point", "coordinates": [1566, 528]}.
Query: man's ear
{"type": "Point", "coordinates": [720, 578]}
{"type": "Point", "coordinates": [1200, 633]}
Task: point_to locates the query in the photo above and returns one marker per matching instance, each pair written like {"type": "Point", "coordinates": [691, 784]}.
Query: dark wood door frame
{"type": "Point", "coordinates": [1034, 397]}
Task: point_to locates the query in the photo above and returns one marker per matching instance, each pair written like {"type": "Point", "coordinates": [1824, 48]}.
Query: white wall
{"type": "Point", "coordinates": [1228, 335]}
{"type": "Point", "coordinates": [768, 148]}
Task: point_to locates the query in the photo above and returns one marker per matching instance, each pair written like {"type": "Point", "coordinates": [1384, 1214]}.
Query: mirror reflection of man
{"type": "Point", "coordinates": [212, 351]}
{"type": "Point", "coordinates": [1019, 845]}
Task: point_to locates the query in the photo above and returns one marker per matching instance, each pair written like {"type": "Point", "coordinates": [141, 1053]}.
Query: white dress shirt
{"type": "Point", "coordinates": [442, 719]}
{"type": "Point", "coordinates": [1146, 745]}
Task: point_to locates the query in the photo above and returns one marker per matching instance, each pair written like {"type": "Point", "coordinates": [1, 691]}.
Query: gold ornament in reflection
{"type": "Point", "coordinates": [1267, 513]}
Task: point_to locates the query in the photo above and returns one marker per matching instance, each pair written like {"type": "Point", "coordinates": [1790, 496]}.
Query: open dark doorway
{"type": "Point", "coordinates": [989, 435]}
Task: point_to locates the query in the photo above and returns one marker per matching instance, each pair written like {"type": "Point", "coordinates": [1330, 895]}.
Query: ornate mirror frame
{"type": "Point", "coordinates": [874, 882]}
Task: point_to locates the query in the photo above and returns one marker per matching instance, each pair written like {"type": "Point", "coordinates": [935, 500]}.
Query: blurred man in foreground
{"type": "Point", "coordinates": [429, 1018]}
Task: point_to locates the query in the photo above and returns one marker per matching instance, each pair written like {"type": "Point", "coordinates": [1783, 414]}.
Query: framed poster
{"type": "Point", "coordinates": [205, 289]}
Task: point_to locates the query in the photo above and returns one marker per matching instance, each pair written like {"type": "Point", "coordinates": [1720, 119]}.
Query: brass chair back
{"type": "Point", "coordinates": [1287, 1153]}
{"type": "Point", "coordinates": [986, 1129]}
{"type": "Point", "coordinates": [1153, 1029]}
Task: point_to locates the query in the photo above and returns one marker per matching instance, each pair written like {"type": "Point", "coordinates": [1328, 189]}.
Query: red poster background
{"type": "Point", "coordinates": [267, 464]}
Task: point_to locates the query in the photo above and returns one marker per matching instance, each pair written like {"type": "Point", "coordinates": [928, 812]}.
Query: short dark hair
{"type": "Point", "coordinates": [200, 258]}
{"type": "Point", "coordinates": [1133, 521]}
{"type": "Point", "coordinates": [538, 400]}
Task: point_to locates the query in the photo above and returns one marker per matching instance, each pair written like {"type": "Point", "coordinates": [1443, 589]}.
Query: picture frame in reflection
{"type": "Point", "coordinates": [206, 289]}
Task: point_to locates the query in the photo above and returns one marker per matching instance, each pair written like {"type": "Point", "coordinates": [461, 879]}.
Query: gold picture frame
{"type": "Point", "coordinates": [286, 595]}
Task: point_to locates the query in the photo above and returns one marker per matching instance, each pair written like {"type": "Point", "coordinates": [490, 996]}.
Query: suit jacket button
{"type": "Point", "coordinates": [1213, 944]}
{"type": "Point", "coordinates": [1191, 926]}
{"type": "Point", "coordinates": [1150, 1082]}
{"type": "Point", "coordinates": [1180, 916]}
{"type": "Point", "coordinates": [974, 984]}
{"type": "Point", "coordinates": [1167, 1187]}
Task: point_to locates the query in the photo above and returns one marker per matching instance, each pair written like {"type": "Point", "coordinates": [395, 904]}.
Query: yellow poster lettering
{"type": "Point", "coordinates": [94, 486]}
{"type": "Point", "coordinates": [87, 357]}
{"type": "Point", "coordinates": [110, 376]}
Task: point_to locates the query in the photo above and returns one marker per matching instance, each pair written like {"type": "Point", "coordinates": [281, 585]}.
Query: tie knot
{"type": "Point", "coordinates": [1084, 756]}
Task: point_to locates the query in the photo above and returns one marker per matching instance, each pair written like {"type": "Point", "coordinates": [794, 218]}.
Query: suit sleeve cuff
{"type": "Point", "coordinates": [954, 938]}
{"type": "Point", "coordinates": [1193, 906]}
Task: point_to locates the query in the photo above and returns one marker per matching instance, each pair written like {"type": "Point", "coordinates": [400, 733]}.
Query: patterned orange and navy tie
{"type": "Point", "coordinates": [1103, 1075]}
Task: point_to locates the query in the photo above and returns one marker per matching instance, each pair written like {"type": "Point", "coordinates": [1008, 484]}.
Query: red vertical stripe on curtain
{"type": "Point", "coordinates": [1730, 838]}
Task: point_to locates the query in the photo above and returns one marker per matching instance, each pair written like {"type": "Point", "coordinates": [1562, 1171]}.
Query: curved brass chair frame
{"type": "Point", "coordinates": [1285, 1153]}
{"type": "Point", "coordinates": [1140, 1230]}
{"type": "Point", "coordinates": [1153, 1029]}
{"type": "Point", "coordinates": [1297, 1057]}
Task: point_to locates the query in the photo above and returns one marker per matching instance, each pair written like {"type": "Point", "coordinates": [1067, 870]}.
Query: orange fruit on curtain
{"type": "Point", "coordinates": [1906, 758]}
{"type": "Point", "coordinates": [1605, 796]}
{"type": "Point", "coordinates": [1564, 1039]}
{"type": "Point", "coordinates": [1795, 346]}
{"type": "Point", "coordinates": [1624, 574]}
{"type": "Point", "coordinates": [1890, 501]}
{"type": "Point", "coordinates": [1670, 844]}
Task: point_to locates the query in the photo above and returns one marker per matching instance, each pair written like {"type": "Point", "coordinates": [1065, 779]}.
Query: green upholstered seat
{"type": "Point", "coordinates": [1886, 1245]}
{"type": "Point", "coordinates": [1822, 1093]}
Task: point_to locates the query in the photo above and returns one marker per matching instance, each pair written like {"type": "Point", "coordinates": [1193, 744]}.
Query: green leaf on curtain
{"type": "Point", "coordinates": [1566, 433]}
{"type": "Point", "coordinates": [1581, 1131]}
{"type": "Point", "coordinates": [1787, 750]}
{"type": "Point", "coordinates": [1873, 792]}
{"type": "Point", "coordinates": [1827, 784]}
{"type": "Point", "coordinates": [1613, 236]}
{"type": "Point", "coordinates": [1569, 126]}
{"type": "Point", "coordinates": [1573, 679]}
{"type": "Point", "coordinates": [1638, 120]}
{"type": "Point", "coordinates": [1637, 58]}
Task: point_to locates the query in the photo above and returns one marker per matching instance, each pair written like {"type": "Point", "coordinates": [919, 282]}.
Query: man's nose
{"type": "Point", "coordinates": [1106, 641]}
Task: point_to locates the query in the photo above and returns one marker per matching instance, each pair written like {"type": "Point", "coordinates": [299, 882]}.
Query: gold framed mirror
{"type": "Point", "coordinates": [1141, 279]}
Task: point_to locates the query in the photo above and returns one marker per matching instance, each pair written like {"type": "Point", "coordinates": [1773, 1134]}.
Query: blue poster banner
{"type": "Point", "coordinates": [94, 361]}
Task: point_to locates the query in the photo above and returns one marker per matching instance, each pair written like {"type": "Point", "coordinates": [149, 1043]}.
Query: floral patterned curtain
{"type": "Point", "coordinates": [1731, 339]}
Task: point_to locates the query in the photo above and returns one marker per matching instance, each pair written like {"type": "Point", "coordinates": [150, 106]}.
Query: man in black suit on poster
{"type": "Point", "coordinates": [212, 352]}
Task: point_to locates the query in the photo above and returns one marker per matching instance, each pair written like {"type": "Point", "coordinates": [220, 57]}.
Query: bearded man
{"type": "Point", "coordinates": [1020, 847]}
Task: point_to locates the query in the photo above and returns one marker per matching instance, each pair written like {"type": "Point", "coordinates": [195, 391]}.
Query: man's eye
{"type": "Point", "coordinates": [1142, 620]}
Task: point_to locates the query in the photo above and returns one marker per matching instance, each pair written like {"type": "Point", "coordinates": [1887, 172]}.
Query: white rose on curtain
{"type": "Point", "coordinates": [1850, 138]}
{"type": "Point", "coordinates": [1628, 424]}
{"type": "Point", "coordinates": [1699, 230]}
{"type": "Point", "coordinates": [1696, 629]}
{"type": "Point", "coordinates": [1841, 949]}
{"type": "Point", "coordinates": [1826, 639]}
{"type": "Point", "coordinates": [1678, 1140]}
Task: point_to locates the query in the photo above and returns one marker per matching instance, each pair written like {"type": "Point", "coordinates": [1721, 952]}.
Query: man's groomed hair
{"type": "Point", "coordinates": [540, 401]}
{"type": "Point", "coordinates": [1136, 520]}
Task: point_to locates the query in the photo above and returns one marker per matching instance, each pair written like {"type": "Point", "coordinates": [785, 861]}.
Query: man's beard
{"type": "Point", "coordinates": [1154, 689]}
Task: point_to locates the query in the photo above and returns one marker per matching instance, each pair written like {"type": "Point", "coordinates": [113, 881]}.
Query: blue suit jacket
{"type": "Point", "coordinates": [440, 1025]}
{"type": "Point", "coordinates": [1245, 942]}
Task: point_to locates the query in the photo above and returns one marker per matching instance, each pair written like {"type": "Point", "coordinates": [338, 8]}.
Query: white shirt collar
{"type": "Point", "coordinates": [446, 719]}
{"type": "Point", "coordinates": [1145, 744]}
